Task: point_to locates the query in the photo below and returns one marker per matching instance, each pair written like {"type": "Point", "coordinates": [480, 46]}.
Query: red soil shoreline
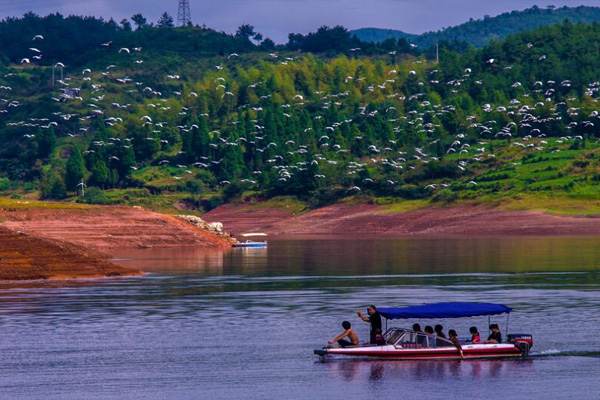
{"type": "Point", "coordinates": [51, 243]}
{"type": "Point", "coordinates": [24, 257]}
{"type": "Point", "coordinates": [54, 243]}
{"type": "Point", "coordinates": [366, 219]}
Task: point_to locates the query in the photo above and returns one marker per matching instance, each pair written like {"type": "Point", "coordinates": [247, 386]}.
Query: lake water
{"type": "Point", "coordinates": [243, 323]}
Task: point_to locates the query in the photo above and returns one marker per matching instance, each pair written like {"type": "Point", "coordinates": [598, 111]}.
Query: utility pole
{"type": "Point", "coordinates": [83, 185]}
{"type": "Point", "coordinates": [57, 65]}
{"type": "Point", "coordinates": [184, 17]}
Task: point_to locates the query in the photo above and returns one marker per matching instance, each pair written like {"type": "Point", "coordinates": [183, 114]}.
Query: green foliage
{"type": "Point", "coordinates": [4, 184]}
{"type": "Point", "coordinates": [95, 195]}
{"type": "Point", "coordinates": [446, 196]}
{"type": "Point", "coordinates": [46, 142]}
{"type": "Point", "coordinates": [52, 185]}
{"type": "Point", "coordinates": [481, 31]}
{"type": "Point", "coordinates": [139, 20]}
{"type": "Point", "coordinates": [509, 118]}
{"type": "Point", "coordinates": [75, 170]}
{"type": "Point", "coordinates": [165, 21]}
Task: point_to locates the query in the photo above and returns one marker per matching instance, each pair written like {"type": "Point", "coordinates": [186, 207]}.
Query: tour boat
{"type": "Point", "coordinates": [406, 344]}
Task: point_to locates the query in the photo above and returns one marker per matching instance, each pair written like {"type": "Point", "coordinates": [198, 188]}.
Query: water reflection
{"type": "Point", "coordinates": [191, 260]}
{"type": "Point", "coordinates": [326, 255]}
{"type": "Point", "coordinates": [154, 336]}
{"type": "Point", "coordinates": [423, 370]}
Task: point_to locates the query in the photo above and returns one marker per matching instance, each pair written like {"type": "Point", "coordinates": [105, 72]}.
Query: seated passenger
{"type": "Point", "coordinates": [429, 331]}
{"type": "Point", "coordinates": [379, 340]}
{"type": "Point", "coordinates": [439, 331]}
{"type": "Point", "coordinates": [420, 335]}
{"type": "Point", "coordinates": [475, 338]}
{"type": "Point", "coordinates": [495, 336]}
{"type": "Point", "coordinates": [455, 341]}
{"type": "Point", "coordinates": [348, 332]}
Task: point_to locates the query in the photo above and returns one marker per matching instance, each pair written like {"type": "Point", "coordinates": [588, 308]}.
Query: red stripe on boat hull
{"type": "Point", "coordinates": [452, 354]}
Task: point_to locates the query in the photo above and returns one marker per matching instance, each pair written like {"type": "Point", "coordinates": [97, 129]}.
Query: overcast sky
{"type": "Point", "coordinates": [277, 18]}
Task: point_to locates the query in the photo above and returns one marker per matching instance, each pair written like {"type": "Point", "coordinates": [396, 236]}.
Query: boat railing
{"type": "Point", "coordinates": [409, 339]}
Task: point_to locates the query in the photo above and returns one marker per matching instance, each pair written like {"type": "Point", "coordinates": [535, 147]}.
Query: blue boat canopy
{"type": "Point", "coordinates": [444, 310]}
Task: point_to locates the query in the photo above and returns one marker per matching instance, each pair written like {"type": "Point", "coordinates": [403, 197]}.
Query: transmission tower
{"type": "Point", "coordinates": [184, 17]}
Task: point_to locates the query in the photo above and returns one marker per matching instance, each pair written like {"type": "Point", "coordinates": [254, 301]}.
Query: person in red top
{"type": "Point", "coordinates": [475, 338]}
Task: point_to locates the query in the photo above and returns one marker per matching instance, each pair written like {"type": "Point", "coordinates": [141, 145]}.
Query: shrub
{"type": "Point", "coordinates": [94, 195]}
{"type": "Point", "coordinates": [4, 184]}
{"type": "Point", "coordinates": [445, 196]}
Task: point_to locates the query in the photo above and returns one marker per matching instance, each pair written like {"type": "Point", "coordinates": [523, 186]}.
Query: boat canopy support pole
{"type": "Point", "coordinates": [506, 331]}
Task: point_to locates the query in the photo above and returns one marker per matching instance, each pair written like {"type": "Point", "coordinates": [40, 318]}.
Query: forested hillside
{"type": "Point", "coordinates": [481, 31]}
{"type": "Point", "coordinates": [139, 125]}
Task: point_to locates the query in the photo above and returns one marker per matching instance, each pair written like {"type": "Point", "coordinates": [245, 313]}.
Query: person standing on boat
{"type": "Point", "coordinates": [348, 332]}
{"type": "Point", "coordinates": [374, 319]}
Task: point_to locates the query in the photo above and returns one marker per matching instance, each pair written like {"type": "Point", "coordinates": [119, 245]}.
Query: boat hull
{"type": "Point", "coordinates": [389, 352]}
{"type": "Point", "coordinates": [254, 244]}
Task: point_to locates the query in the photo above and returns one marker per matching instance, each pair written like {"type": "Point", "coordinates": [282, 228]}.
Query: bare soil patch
{"type": "Point", "coordinates": [64, 243]}
{"type": "Point", "coordinates": [105, 228]}
{"type": "Point", "coordinates": [24, 257]}
{"type": "Point", "coordinates": [372, 219]}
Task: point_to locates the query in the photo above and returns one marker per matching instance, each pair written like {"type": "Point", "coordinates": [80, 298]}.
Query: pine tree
{"type": "Point", "coordinates": [165, 21]}
{"type": "Point", "coordinates": [46, 142]}
{"type": "Point", "coordinates": [200, 139]}
{"type": "Point", "coordinates": [100, 174]}
{"type": "Point", "coordinates": [52, 185]}
{"type": "Point", "coordinates": [75, 170]}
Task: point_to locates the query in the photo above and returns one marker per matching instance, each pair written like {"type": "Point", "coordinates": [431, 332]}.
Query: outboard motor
{"type": "Point", "coordinates": [521, 340]}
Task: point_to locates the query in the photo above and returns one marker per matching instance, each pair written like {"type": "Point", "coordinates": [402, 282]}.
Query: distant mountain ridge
{"type": "Point", "coordinates": [481, 31]}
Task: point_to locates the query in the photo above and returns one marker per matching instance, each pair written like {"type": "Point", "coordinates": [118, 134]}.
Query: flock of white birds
{"type": "Point", "coordinates": [528, 124]}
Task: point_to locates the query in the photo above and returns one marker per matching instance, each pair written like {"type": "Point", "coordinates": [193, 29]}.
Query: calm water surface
{"type": "Point", "coordinates": [243, 323]}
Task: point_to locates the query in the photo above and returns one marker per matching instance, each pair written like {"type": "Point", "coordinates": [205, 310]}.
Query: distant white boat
{"type": "Point", "coordinates": [251, 243]}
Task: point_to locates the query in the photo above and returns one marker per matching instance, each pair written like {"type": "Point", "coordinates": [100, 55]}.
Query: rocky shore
{"type": "Point", "coordinates": [38, 242]}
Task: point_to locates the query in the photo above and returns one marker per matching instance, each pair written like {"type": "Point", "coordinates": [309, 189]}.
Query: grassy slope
{"type": "Point", "coordinates": [561, 178]}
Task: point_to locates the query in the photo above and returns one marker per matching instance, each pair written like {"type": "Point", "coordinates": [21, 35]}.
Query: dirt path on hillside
{"type": "Point", "coordinates": [371, 219]}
